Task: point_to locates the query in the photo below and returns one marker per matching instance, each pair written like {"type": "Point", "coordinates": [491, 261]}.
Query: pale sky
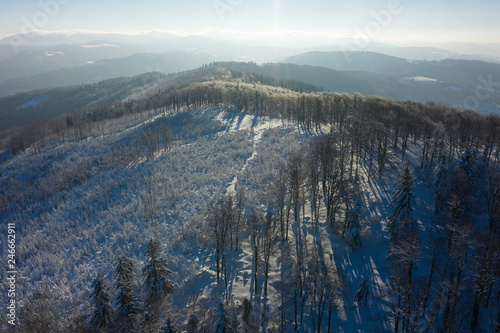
{"type": "Point", "coordinates": [391, 21]}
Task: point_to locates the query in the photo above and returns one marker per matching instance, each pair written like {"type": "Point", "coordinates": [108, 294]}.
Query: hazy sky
{"type": "Point", "coordinates": [394, 21]}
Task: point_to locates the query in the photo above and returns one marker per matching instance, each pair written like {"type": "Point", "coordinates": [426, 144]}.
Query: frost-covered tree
{"type": "Point", "coordinates": [321, 289]}
{"type": "Point", "coordinates": [401, 221]}
{"type": "Point", "coordinates": [278, 193]}
{"type": "Point", "coordinates": [40, 314]}
{"type": "Point", "coordinates": [313, 163]}
{"type": "Point", "coordinates": [220, 221]}
{"type": "Point", "coordinates": [458, 285]}
{"type": "Point", "coordinates": [255, 225]}
{"type": "Point", "coordinates": [296, 179]}
{"type": "Point", "coordinates": [238, 217]}
{"type": "Point", "coordinates": [157, 286]}
{"type": "Point", "coordinates": [268, 243]}
{"type": "Point", "coordinates": [354, 233]}
{"type": "Point", "coordinates": [102, 315]}
{"type": "Point", "coordinates": [403, 260]}
{"type": "Point", "coordinates": [126, 302]}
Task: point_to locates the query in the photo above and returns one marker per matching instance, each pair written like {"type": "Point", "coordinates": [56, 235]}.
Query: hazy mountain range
{"type": "Point", "coordinates": [41, 61]}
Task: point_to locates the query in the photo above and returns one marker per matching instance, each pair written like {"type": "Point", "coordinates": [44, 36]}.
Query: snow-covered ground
{"type": "Point", "coordinates": [71, 234]}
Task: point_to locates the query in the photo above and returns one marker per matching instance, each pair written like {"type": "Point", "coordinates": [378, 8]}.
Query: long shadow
{"type": "Point", "coordinates": [255, 121]}
{"type": "Point", "coordinates": [235, 266]}
{"type": "Point", "coordinates": [368, 262]}
{"type": "Point", "coordinates": [369, 316]}
{"type": "Point", "coordinates": [239, 119]}
{"type": "Point", "coordinates": [319, 248]}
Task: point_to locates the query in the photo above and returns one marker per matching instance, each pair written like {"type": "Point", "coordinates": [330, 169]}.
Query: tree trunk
{"type": "Point", "coordinates": [429, 284]}
{"type": "Point", "coordinates": [397, 316]}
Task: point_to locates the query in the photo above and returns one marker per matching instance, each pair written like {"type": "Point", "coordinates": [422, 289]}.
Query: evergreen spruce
{"type": "Point", "coordinates": [156, 283]}
{"type": "Point", "coordinates": [101, 319]}
{"type": "Point", "coordinates": [126, 302]}
{"type": "Point", "coordinates": [440, 187]}
{"type": "Point", "coordinates": [401, 221]}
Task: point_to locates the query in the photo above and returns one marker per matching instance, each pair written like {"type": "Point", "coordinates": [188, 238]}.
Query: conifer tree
{"type": "Point", "coordinates": [103, 312]}
{"type": "Point", "coordinates": [401, 221]}
{"type": "Point", "coordinates": [440, 187]}
{"type": "Point", "coordinates": [156, 283]}
{"type": "Point", "coordinates": [126, 302]}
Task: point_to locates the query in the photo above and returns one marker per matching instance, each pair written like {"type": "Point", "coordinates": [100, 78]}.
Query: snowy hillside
{"type": "Point", "coordinates": [299, 213]}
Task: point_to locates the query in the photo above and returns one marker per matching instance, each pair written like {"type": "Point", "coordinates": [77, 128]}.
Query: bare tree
{"type": "Point", "coordinates": [220, 221]}
{"type": "Point", "coordinates": [313, 173]}
{"type": "Point", "coordinates": [278, 189]}
{"type": "Point", "coordinates": [491, 192]}
{"type": "Point", "coordinates": [460, 246]}
{"type": "Point", "coordinates": [324, 289]}
{"type": "Point", "coordinates": [484, 275]}
{"type": "Point", "coordinates": [150, 203]}
{"type": "Point", "coordinates": [269, 238]}
{"type": "Point", "coordinates": [255, 224]}
{"type": "Point", "coordinates": [238, 217]}
{"type": "Point", "coordinates": [404, 255]}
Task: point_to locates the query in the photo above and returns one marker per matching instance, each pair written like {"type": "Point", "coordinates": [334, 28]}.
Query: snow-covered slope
{"type": "Point", "coordinates": [78, 205]}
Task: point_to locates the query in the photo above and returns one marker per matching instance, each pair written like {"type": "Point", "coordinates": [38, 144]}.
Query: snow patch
{"type": "Point", "coordinates": [419, 80]}
{"type": "Point", "coordinates": [36, 102]}
{"type": "Point", "coordinates": [93, 46]}
{"type": "Point", "coordinates": [53, 53]}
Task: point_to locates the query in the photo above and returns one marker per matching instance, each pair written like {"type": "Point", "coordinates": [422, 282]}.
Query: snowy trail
{"type": "Point", "coordinates": [232, 187]}
{"type": "Point", "coordinates": [258, 125]}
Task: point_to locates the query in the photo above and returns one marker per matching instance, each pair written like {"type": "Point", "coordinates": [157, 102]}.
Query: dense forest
{"type": "Point", "coordinates": [123, 210]}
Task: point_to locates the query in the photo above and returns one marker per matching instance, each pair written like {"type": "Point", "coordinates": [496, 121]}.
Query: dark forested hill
{"type": "Point", "coordinates": [463, 83]}
{"type": "Point", "coordinates": [25, 108]}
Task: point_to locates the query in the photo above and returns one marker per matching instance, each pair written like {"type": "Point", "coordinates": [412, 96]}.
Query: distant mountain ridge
{"type": "Point", "coordinates": [389, 65]}
{"type": "Point", "coordinates": [94, 72]}
{"type": "Point", "coordinates": [456, 82]}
